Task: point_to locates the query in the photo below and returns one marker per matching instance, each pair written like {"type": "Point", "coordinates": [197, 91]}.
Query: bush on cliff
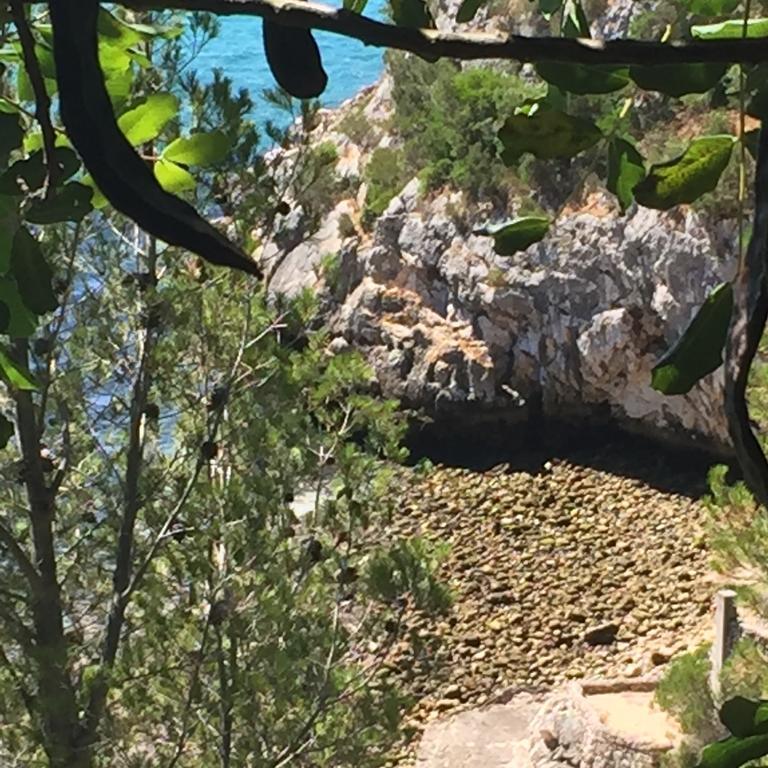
{"type": "Point", "coordinates": [449, 119]}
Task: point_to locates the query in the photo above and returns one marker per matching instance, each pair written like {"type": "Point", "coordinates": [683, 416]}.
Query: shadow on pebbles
{"type": "Point", "coordinates": [567, 573]}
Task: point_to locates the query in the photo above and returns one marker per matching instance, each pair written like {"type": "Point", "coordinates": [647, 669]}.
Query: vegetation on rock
{"type": "Point", "coordinates": [159, 419]}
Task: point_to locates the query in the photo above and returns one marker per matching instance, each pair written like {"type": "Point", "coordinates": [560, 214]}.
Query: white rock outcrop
{"type": "Point", "coordinates": [569, 328]}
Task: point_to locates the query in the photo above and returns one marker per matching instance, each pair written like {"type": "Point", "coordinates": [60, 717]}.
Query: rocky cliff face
{"type": "Point", "coordinates": [569, 328]}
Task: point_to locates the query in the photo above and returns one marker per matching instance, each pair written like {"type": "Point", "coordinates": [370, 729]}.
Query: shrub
{"type": "Point", "coordinates": [409, 569]}
{"type": "Point", "coordinates": [316, 186]}
{"type": "Point", "coordinates": [449, 118]}
{"type": "Point", "coordinates": [386, 174]}
{"type": "Point", "coordinates": [684, 693]}
{"type": "Point", "coordinates": [355, 124]}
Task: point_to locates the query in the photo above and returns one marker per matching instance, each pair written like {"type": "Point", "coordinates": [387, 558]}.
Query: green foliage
{"type": "Point", "coordinates": [385, 174]}
{"type": "Point", "coordinates": [408, 569]}
{"type": "Point", "coordinates": [329, 269]}
{"type": "Point", "coordinates": [145, 122]}
{"type": "Point", "coordinates": [684, 693]}
{"type": "Point", "coordinates": [582, 78]}
{"type": "Point", "coordinates": [746, 720]}
{"type": "Point", "coordinates": [468, 10]}
{"type": "Point", "coordinates": [355, 124]}
{"type": "Point", "coordinates": [179, 410]}
{"type": "Point", "coordinates": [513, 236]}
{"type": "Point", "coordinates": [625, 170]}
{"type": "Point", "coordinates": [713, 7]}
{"type": "Point", "coordinates": [745, 674]}
{"type": "Point", "coordinates": [316, 185]}
{"type": "Point", "coordinates": [734, 751]}
{"type": "Point", "coordinates": [731, 29]}
{"type": "Point", "coordinates": [174, 405]}
{"type": "Point", "coordinates": [687, 177]}
{"type": "Point", "coordinates": [72, 202]}
{"type": "Point", "coordinates": [411, 13]}
{"type": "Point", "coordinates": [546, 134]}
{"type": "Point", "coordinates": [699, 350]}
{"type": "Point", "coordinates": [449, 120]}
{"type": "Point", "coordinates": [14, 373]}
{"type": "Point", "coordinates": [677, 80]}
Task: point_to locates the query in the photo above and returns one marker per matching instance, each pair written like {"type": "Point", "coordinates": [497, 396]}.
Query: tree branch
{"type": "Point", "coordinates": [432, 43]}
{"type": "Point", "coordinates": [42, 101]}
{"type": "Point", "coordinates": [56, 696]}
{"type": "Point", "coordinates": [750, 311]}
{"type": "Point", "coordinates": [124, 561]}
{"type": "Point", "coordinates": [8, 540]}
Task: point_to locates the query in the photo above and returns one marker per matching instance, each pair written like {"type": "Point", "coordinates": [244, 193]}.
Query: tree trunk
{"type": "Point", "coordinates": [56, 701]}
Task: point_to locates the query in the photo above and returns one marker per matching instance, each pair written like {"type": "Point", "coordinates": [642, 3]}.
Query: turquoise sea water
{"type": "Point", "coordinates": [238, 50]}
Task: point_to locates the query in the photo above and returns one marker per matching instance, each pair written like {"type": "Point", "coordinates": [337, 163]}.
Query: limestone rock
{"type": "Point", "coordinates": [570, 328]}
{"type": "Point", "coordinates": [574, 325]}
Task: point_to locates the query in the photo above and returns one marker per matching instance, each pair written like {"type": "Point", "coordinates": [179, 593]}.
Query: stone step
{"type": "Point", "coordinates": [493, 737]}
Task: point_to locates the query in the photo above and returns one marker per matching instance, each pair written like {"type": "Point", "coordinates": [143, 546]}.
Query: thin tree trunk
{"type": "Point", "coordinates": [56, 701]}
{"type": "Point", "coordinates": [750, 310]}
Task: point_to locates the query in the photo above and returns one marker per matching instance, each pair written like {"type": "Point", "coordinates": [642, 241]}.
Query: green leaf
{"type": "Point", "coordinates": [583, 78]}
{"type": "Point", "coordinates": [517, 235]}
{"type": "Point", "coordinates": [172, 177]}
{"type": "Point", "coordinates": [121, 33]}
{"type": "Point", "coordinates": [575, 22]}
{"type": "Point", "coordinates": [34, 141]}
{"type": "Point", "coordinates": [758, 104]}
{"type": "Point", "coordinates": [29, 175]}
{"type": "Point", "coordinates": [32, 273]}
{"type": "Point", "coordinates": [356, 6]}
{"type": "Point", "coordinates": [546, 134]}
{"type": "Point", "coordinates": [411, 13]}
{"type": "Point", "coordinates": [145, 122]}
{"type": "Point", "coordinates": [44, 54]}
{"type": "Point", "coordinates": [9, 223]}
{"type": "Point", "coordinates": [713, 7]}
{"type": "Point", "coordinates": [734, 752]}
{"type": "Point", "coordinates": [72, 202]}
{"type": "Point", "coordinates": [118, 72]}
{"type": "Point", "coordinates": [113, 59]}
{"type": "Point", "coordinates": [730, 29]}
{"type": "Point", "coordinates": [750, 141]}
{"type": "Point", "coordinates": [22, 323]}
{"type": "Point", "coordinates": [549, 7]}
{"type": "Point", "coordinates": [699, 351]}
{"type": "Point", "coordinates": [744, 717]}
{"type": "Point", "coordinates": [625, 170]}
{"type": "Point", "coordinates": [678, 79]}
{"type": "Point", "coordinates": [198, 149]}
{"type": "Point", "coordinates": [687, 177]}
{"type": "Point", "coordinates": [468, 9]}
{"type": "Point", "coordinates": [6, 431]}
{"type": "Point", "coordinates": [11, 133]}
{"type": "Point", "coordinates": [15, 375]}
{"type": "Point", "coordinates": [756, 85]}
{"type": "Point", "coordinates": [24, 85]}
{"type": "Point", "coordinates": [98, 201]}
